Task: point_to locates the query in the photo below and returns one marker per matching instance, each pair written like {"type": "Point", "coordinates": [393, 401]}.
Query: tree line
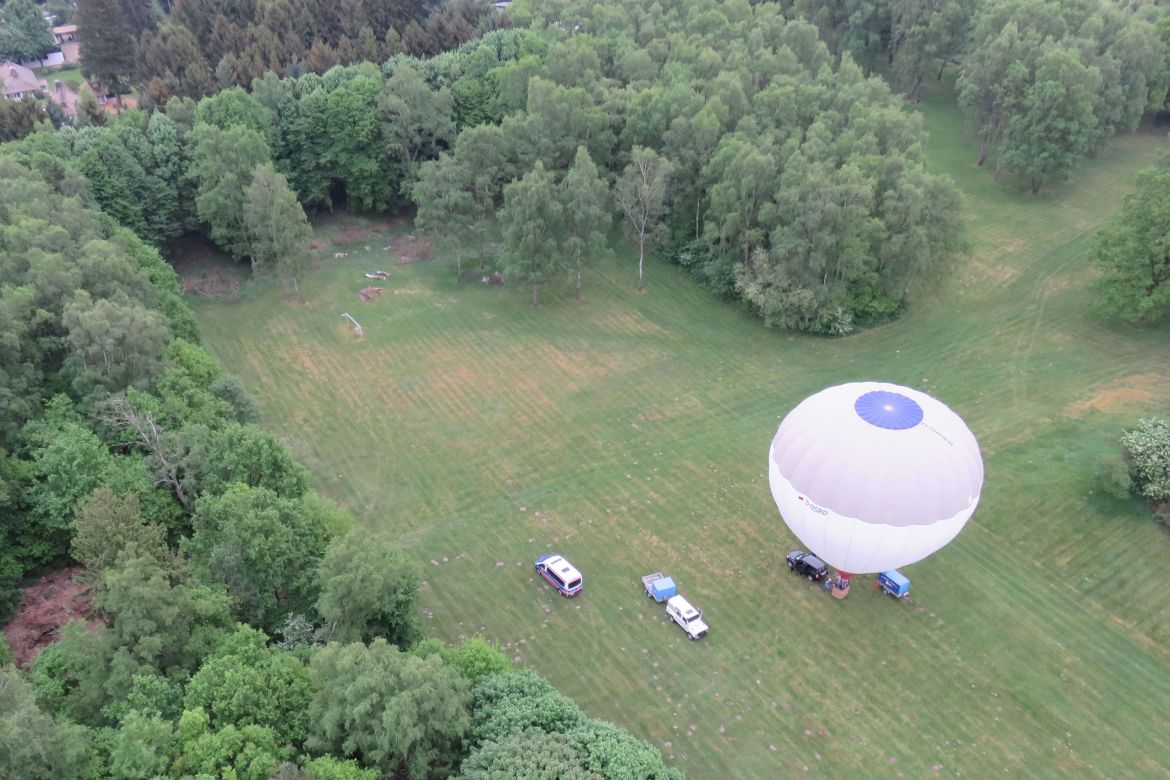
{"type": "Point", "coordinates": [241, 626]}
{"type": "Point", "coordinates": [1132, 255]}
{"type": "Point", "coordinates": [194, 48]}
{"type": "Point", "coordinates": [1044, 83]}
{"type": "Point", "coordinates": [796, 183]}
{"type": "Point", "coordinates": [786, 177]}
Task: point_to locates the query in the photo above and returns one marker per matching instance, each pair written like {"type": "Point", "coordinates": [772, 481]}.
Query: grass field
{"type": "Point", "coordinates": [71, 76]}
{"type": "Point", "coordinates": [630, 433]}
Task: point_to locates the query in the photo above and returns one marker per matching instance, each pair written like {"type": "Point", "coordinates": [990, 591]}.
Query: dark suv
{"type": "Point", "coordinates": [807, 565]}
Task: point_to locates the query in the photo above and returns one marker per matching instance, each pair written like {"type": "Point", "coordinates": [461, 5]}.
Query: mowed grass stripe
{"type": "Point", "coordinates": [629, 431]}
{"type": "Point", "coordinates": [1043, 654]}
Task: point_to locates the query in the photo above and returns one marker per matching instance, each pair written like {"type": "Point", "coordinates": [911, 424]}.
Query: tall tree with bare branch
{"type": "Point", "coordinates": [164, 450]}
{"type": "Point", "coordinates": [641, 195]}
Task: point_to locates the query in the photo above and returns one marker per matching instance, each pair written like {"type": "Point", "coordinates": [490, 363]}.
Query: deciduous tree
{"type": "Point", "coordinates": [1056, 127]}
{"type": "Point", "coordinates": [475, 658]}
{"type": "Point", "coordinates": [368, 590]}
{"type": "Point", "coordinates": [165, 451]}
{"type": "Point", "coordinates": [480, 151]}
{"type": "Point", "coordinates": [112, 345]}
{"type": "Point", "coordinates": [404, 715]}
{"type": "Point", "coordinates": [534, 755]}
{"type": "Point", "coordinates": [142, 746]}
{"type": "Point", "coordinates": [641, 195]}
{"type": "Point", "coordinates": [159, 618]}
{"type": "Point", "coordinates": [609, 751]}
{"type": "Point", "coordinates": [33, 744]}
{"type": "Point", "coordinates": [519, 702]}
{"type": "Point", "coordinates": [532, 222]}
{"type": "Point", "coordinates": [263, 548]}
{"type": "Point", "coordinates": [105, 525]}
{"type": "Point", "coordinates": [1147, 448]}
{"type": "Point", "coordinates": [24, 33]}
{"type": "Point", "coordinates": [244, 753]}
{"type": "Point", "coordinates": [417, 120]}
{"type": "Point", "coordinates": [587, 214]}
{"type": "Point", "coordinates": [247, 683]}
{"type": "Point", "coordinates": [355, 146]}
{"type": "Point", "coordinates": [926, 36]}
{"type": "Point", "coordinates": [446, 208]}
{"type": "Point", "coordinates": [277, 229]}
{"type": "Point", "coordinates": [69, 462]}
{"type": "Point", "coordinates": [236, 108]}
{"type": "Point", "coordinates": [247, 455]}
{"type": "Point", "coordinates": [159, 624]}
{"type": "Point", "coordinates": [222, 168]}
{"type": "Point", "coordinates": [995, 78]}
{"type": "Point", "coordinates": [1133, 253]}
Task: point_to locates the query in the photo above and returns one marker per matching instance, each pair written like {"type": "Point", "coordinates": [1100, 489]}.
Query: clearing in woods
{"type": "Point", "coordinates": [629, 432]}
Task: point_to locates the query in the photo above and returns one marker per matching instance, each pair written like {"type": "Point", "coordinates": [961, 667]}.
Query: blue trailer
{"type": "Point", "coordinates": [894, 583]}
{"type": "Point", "coordinates": [659, 587]}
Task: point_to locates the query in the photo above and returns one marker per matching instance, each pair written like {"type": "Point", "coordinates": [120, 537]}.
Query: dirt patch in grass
{"type": "Point", "coordinates": [346, 230]}
{"type": "Point", "coordinates": [978, 272]}
{"type": "Point", "coordinates": [679, 407]}
{"type": "Point", "coordinates": [1123, 395]}
{"type": "Point", "coordinates": [204, 269]}
{"type": "Point", "coordinates": [612, 319]}
{"type": "Point", "coordinates": [410, 247]}
{"type": "Point", "coordinates": [352, 235]}
{"type": "Point", "coordinates": [310, 360]}
{"type": "Point", "coordinates": [212, 283]}
{"type": "Point", "coordinates": [45, 606]}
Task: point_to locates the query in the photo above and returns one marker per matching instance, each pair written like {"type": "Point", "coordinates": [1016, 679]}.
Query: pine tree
{"type": "Point", "coordinates": [109, 30]}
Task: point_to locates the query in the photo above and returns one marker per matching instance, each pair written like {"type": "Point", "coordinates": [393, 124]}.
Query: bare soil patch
{"type": "Point", "coordinates": [1123, 395]}
{"type": "Point", "coordinates": [50, 603]}
{"type": "Point", "coordinates": [410, 247]}
{"type": "Point", "coordinates": [211, 282]}
{"type": "Point", "coordinates": [352, 235]}
{"type": "Point", "coordinates": [978, 272]}
{"type": "Point", "coordinates": [348, 230]}
{"type": "Point", "coordinates": [204, 269]}
{"type": "Point", "coordinates": [369, 293]}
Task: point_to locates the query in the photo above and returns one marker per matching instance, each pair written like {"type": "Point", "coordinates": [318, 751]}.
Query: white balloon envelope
{"type": "Point", "coordinates": [871, 476]}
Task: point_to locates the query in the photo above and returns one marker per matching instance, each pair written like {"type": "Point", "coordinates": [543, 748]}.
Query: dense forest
{"type": "Point", "coordinates": [242, 626]}
{"type": "Point", "coordinates": [759, 146]}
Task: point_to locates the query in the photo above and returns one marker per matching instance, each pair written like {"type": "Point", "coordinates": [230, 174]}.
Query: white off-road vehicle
{"type": "Point", "coordinates": [679, 610]}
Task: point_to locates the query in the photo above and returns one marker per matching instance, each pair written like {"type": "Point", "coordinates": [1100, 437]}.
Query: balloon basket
{"type": "Point", "coordinates": [840, 588]}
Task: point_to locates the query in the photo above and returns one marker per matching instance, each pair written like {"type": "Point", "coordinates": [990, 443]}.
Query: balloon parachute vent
{"type": "Point", "coordinates": [885, 409]}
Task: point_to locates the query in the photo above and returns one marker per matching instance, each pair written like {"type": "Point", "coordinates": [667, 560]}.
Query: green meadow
{"type": "Point", "coordinates": [630, 432]}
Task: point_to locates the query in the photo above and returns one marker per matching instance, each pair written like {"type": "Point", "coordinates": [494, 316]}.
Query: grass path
{"type": "Point", "coordinates": [630, 433]}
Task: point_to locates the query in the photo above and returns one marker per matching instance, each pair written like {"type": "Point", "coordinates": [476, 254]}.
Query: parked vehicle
{"type": "Point", "coordinates": [659, 587]}
{"type": "Point", "coordinates": [690, 619]}
{"type": "Point", "coordinates": [894, 583]}
{"type": "Point", "coordinates": [560, 573]}
{"type": "Point", "coordinates": [807, 565]}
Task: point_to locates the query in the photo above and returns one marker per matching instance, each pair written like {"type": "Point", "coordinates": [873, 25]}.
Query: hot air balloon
{"type": "Point", "coordinates": [871, 476]}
